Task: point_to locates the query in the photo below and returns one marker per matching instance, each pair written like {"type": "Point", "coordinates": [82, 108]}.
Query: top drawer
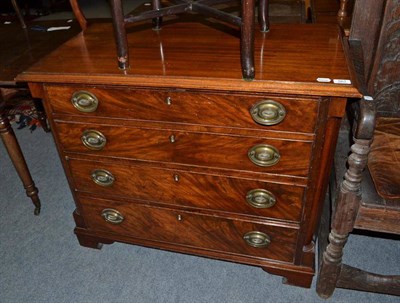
{"type": "Point", "coordinates": [229, 110]}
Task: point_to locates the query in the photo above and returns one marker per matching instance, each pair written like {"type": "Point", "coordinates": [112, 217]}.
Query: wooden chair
{"type": "Point", "coordinates": [245, 23]}
{"type": "Point", "coordinates": [369, 199]}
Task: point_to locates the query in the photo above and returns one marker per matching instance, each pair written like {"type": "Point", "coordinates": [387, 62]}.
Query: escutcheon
{"type": "Point", "coordinates": [102, 177]}
{"type": "Point", "coordinates": [260, 198]}
{"type": "Point", "coordinates": [112, 216]}
{"type": "Point", "coordinates": [257, 239]}
{"type": "Point", "coordinates": [264, 155]}
{"type": "Point", "coordinates": [93, 139]}
{"type": "Point", "coordinates": [84, 101]}
{"type": "Point", "coordinates": [268, 112]}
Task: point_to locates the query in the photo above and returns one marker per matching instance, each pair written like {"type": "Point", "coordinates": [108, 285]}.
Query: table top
{"type": "Point", "coordinates": [20, 48]}
{"type": "Point", "coordinates": [291, 58]}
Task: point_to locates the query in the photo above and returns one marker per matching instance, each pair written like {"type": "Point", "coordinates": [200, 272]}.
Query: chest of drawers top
{"type": "Point", "coordinates": [290, 59]}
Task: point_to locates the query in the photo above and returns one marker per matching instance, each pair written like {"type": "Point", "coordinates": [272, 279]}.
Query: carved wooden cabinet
{"type": "Point", "coordinates": [180, 153]}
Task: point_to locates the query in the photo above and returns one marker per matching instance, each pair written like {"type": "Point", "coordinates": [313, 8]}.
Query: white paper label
{"type": "Point", "coordinates": [341, 81]}
{"type": "Point", "coordinates": [324, 80]}
{"type": "Point", "coordinates": [58, 28]}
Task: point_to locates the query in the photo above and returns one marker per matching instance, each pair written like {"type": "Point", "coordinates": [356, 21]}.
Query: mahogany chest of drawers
{"type": "Point", "coordinates": [180, 153]}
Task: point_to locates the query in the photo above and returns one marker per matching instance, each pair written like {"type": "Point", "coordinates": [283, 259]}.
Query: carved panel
{"type": "Point", "coordinates": [386, 83]}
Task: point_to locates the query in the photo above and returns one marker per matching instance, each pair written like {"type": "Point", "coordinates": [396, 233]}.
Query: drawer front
{"type": "Point", "coordinates": [298, 114]}
{"type": "Point", "coordinates": [189, 229]}
{"type": "Point", "coordinates": [182, 188]}
{"type": "Point", "coordinates": [191, 148]}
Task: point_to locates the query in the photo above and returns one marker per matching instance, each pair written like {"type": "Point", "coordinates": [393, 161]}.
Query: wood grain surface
{"type": "Point", "coordinates": [288, 59]}
{"type": "Point", "coordinates": [187, 189]}
{"type": "Point", "coordinates": [226, 151]}
{"type": "Point", "coordinates": [196, 107]}
{"type": "Point", "coordinates": [193, 230]}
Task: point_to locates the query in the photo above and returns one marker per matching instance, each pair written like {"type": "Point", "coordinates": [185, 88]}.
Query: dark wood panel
{"type": "Point", "coordinates": [201, 149]}
{"type": "Point", "coordinates": [21, 48]}
{"type": "Point", "coordinates": [231, 110]}
{"type": "Point", "coordinates": [183, 188]}
{"type": "Point", "coordinates": [189, 229]}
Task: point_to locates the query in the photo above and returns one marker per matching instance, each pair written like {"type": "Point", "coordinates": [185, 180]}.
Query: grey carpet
{"type": "Point", "coordinates": [42, 261]}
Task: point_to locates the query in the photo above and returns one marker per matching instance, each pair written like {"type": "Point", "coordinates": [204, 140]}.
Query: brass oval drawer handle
{"type": "Point", "coordinates": [268, 112]}
{"type": "Point", "coordinates": [257, 239]}
{"type": "Point", "coordinates": [264, 155]}
{"type": "Point", "coordinates": [84, 101]}
{"type": "Point", "coordinates": [112, 216]}
{"type": "Point", "coordinates": [93, 139]}
{"type": "Point", "coordinates": [260, 198]}
{"type": "Point", "coordinates": [102, 177]}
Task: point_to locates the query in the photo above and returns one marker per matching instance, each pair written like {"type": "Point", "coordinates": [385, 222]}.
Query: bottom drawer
{"type": "Point", "coordinates": [190, 229]}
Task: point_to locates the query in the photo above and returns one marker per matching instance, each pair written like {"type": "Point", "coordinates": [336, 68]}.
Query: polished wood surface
{"type": "Point", "coordinates": [225, 151]}
{"type": "Point", "coordinates": [196, 190]}
{"type": "Point", "coordinates": [22, 47]}
{"type": "Point", "coordinates": [245, 22]}
{"type": "Point", "coordinates": [185, 107]}
{"type": "Point", "coordinates": [189, 229]}
{"type": "Point", "coordinates": [290, 59]}
{"type": "Point", "coordinates": [178, 131]}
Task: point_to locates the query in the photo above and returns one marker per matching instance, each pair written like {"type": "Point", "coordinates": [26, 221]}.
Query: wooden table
{"type": "Point", "coordinates": [179, 152]}
{"type": "Point", "coordinates": [20, 48]}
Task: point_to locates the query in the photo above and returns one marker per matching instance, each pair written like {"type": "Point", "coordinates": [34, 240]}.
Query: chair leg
{"type": "Point", "coordinates": [120, 34]}
{"type": "Point", "coordinates": [263, 15]}
{"type": "Point", "coordinates": [18, 12]}
{"type": "Point", "coordinates": [157, 21]}
{"type": "Point", "coordinates": [347, 203]}
{"type": "Point", "coordinates": [79, 15]}
{"type": "Point", "coordinates": [247, 40]}
{"type": "Point", "coordinates": [343, 9]}
{"type": "Point", "coordinates": [41, 115]}
{"type": "Point", "coordinates": [17, 158]}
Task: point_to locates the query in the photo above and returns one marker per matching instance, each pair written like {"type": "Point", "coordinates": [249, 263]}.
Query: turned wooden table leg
{"type": "Point", "coordinates": [247, 40]}
{"type": "Point", "coordinates": [157, 21]}
{"type": "Point", "coordinates": [263, 13]}
{"type": "Point", "coordinates": [17, 158]}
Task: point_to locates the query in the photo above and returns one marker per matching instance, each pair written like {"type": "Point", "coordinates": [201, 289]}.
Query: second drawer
{"type": "Point", "coordinates": [225, 151]}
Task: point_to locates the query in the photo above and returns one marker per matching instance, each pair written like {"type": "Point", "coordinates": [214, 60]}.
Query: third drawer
{"type": "Point", "coordinates": [189, 189]}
